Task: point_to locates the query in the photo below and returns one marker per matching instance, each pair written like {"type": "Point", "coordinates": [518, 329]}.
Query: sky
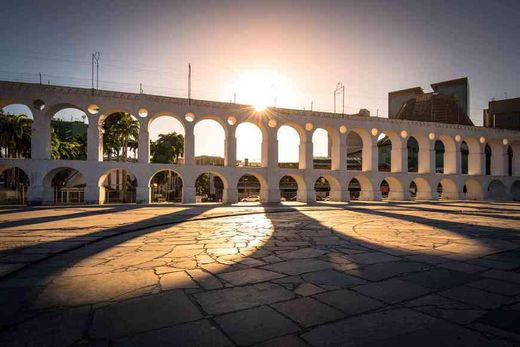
{"type": "Point", "coordinates": [292, 51]}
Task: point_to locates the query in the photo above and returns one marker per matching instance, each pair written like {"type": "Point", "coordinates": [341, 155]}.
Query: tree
{"type": "Point", "coordinates": [15, 135]}
{"type": "Point", "coordinates": [168, 148]}
{"type": "Point", "coordinates": [68, 148]}
{"type": "Point", "coordinates": [121, 134]}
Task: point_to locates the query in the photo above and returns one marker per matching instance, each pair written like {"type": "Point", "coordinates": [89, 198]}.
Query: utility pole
{"type": "Point", "coordinates": [312, 104]}
{"type": "Point", "coordinates": [40, 78]}
{"type": "Point", "coordinates": [189, 84]}
{"type": "Point", "coordinates": [235, 98]}
{"type": "Point", "coordinates": [340, 88]}
{"type": "Point", "coordinates": [95, 61]}
{"type": "Point", "coordinates": [140, 88]}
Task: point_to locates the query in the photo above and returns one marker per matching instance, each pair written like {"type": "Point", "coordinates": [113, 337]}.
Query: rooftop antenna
{"type": "Point", "coordinates": [141, 88]}
{"type": "Point", "coordinates": [95, 61]}
{"type": "Point", "coordinates": [340, 88]}
{"type": "Point", "coordinates": [189, 84]}
{"type": "Point", "coordinates": [40, 78]}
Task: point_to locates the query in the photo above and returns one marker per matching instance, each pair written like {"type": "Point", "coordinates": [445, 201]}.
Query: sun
{"type": "Point", "coordinates": [261, 88]}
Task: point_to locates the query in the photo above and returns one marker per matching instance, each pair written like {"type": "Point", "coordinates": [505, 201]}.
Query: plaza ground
{"type": "Point", "coordinates": [441, 273]}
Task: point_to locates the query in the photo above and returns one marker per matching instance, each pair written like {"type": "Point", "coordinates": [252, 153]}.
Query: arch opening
{"type": "Point", "coordinates": [321, 149]}
{"type": "Point", "coordinates": [209, 143]}
{"type": "Point", "coordinates": [166, 135]}
{"type": "Point", "coordinates": [288, 188]}
{"type": "Point", "coordinates": [13, 186]}
{"type": "Point", "coordinates": [322, 189]}
{"type": "Point", "coordinates": [288, 147]}
{"type": "Point", "coordinates": [509, 161]}
{"type": "Point", "coordinates": [354, 151]}
{"type": "Point", "coordinates": [473, 190]}
{"type": "Point", "coordinates": [69, 128]}
{"type": "Point", "coordinates": [248, 187]}
{"type": "Point", "coordinates": [488, 153]}
{"type": "Point", "coordinates": [249, 145]}
{"type": "Point", "coordinates": [448, 190]}
{"type": "Point", "coordinates": [68, 186]}
{"type": "Point", "coordinates": [209, 187]}
{"type": "Point", "coordinates": [166, 187]}
{"type": "Point", "coordinates": [120, 137]}
{"type": "Point", "coordinates": [413, 154]}
{"type": "Point", "coordinates": [119, 186]}
{"type": "Point", "coordinates": [354, 189]}
{"type": "Point", "coordinates": [15, 131]}
{"type": "Point", "coordinates": [384, 188]}
{"type": "Point", "coordinates": [515, 191]}
{"type": "Point", "coordinates": [384, 153]}
{"type": "Point", "coordinates": [497, 190]}
{"type": "Point", "coordinates": [439, 156]}
{"type": "Point", "coordinates": [464, 157]}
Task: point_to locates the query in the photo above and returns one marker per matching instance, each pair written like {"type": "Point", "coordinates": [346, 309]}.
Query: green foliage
{"type": "Point", "coordinates": [167, 149]}
{"type": "Point", "coordinates": [121, 134]}
{"type": "Point", "coordinates": [15, 136]}
{"type": "Point", "coordinates": [67, 147]}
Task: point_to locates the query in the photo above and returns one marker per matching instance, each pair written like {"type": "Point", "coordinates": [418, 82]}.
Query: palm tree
{"type": "Point", "coordinates": [67, 148]}
{"type": "Point", "coordinates": [121, 134]}
{"type": "Point", "coordinates": [15, 135]}
{"type": "Point", "coordinates": [168, 148]}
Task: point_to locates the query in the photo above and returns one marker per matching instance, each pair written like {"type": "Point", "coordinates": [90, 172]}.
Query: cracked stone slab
{"type": "Point", "coordinates": [349, 301]}
{"type": "Point", "coordinates": [249, 276]}
{"type": "Point", "coordinates": [307, 311]}
{"type": "Point", "coordinates": [239, 298]}
{"type": "Point", "coordinates": [446, 308]}
{"type": "Point", "coordinates": [255, 325]}
{"type": "Point", "coordinates": [298, 266]}
{"type": "Point", "coordinates": [143, 314]}
{"type": "Point", "coordinates": [392, 291]}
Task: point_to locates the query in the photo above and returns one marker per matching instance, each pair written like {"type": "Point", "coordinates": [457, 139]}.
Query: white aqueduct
{"type": "Point", "coordinates": [501, 181]}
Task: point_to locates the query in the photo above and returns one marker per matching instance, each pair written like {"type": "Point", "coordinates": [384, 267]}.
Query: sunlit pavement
{"type": "Point", "coordinates": [278, 275]}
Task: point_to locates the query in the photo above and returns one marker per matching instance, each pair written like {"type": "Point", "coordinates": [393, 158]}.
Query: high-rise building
{"type": "Point", "coordinates": [447, 103]}
{"type": "Point", "coordinates": [503, 114]}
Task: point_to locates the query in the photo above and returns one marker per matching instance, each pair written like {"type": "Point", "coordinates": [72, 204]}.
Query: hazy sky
{"type": "Point", "coordinates": [302, 48]}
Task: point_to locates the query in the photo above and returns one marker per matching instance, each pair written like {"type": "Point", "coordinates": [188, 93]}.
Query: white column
{"type": "Point", "coordinates": [94, 194]}
{"type": "Point", "coordinates": [339, 153]}
{"type": "Point", "coordinates": [230, 148]}
{"type": "Point", "coordinates": [498, 160]}
{"type": "Point", "coordinates": [477, 161]}
{"type": "Point", "coordinates": [143, 152]}
{"type": "Point", "coordinates": [452, 159]}
{"type": "Point", "coordinates": [142, 195]}
{"type": "Point", "coordinates": [369, 195]}
{"type": "Point", "coordinates": [41, 136]}
{"type": "Point", "coordinates": [306, 160]}
{"type": "Point", "coordinates": [339, 195]}
{"type": "Point", "coordinates": [230, 196]}
{"type": "Point", "coordinates": [306, 195]}
{"type": "Point", "coordinates": [399, 155]}
{"type": "Point", "coordinates": [370, 157]}
{"type": "Point", "coordinates": [35, 194]}
{"type": "Point", "coordinates": [270, 148]}
{"type": "Point", "coordinates": [188, 194]}
{"type": "Point", "coordinates": [189, 145]}
{"type": "Point", "coordinates": [426, 157]}
{"type": "Point", "coordinates": [269, 195]}
{"type": "Point", "coordinates": [95, 142]}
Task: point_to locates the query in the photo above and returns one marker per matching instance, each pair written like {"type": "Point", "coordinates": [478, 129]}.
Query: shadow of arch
{"type": "Point", "coordinates": [497, 191]}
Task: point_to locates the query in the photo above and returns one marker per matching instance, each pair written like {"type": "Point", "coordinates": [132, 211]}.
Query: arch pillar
{"type": "Point", "coordinates": [370, 153]}
{"type": "Point", "coordinates": [423, 195]}
{"type": "Point", "coordinates": [516, 158]}
{"type": "Point", "coordinates": [188, 194]}
{"type": "Point", "coordinates": [399, 195]}
{"type": "Point", "coordinates": [339, 152]}
{"type": "Point", "coordinates": [189, 145]}
{"type": "Point", "coordinates": [143, 150]}
{"type": "Point", "coordinates": [498, 160]}
{"type": "Point", "coordinates": [476, 161]}
{"type": "Point", "coordinates": [230, 196]}
{"type": "Point", "coordinates": [426, 157]}
{"type": "Point", "coordinates": [143, 195]}
{"type": "Point", "coordinates": [306, 195]}
{"type": "Point", "coordinates": [340, 195]}
{"type": "Point", "coordinates": [270, 148]}
{"type": "Point", "coordinates": [230, 148]}
{"type": "Point", "coordinates": [399, 155]}
{"type": "Point", "coordinates": [271, 194]}
{"type": "Point", "coordinates": [94, 194]}
{"type": "Point", "coordinates": [95, 142]}
{"type": "Point", "coordinates": [369, 195]}
{"type": "Point", "coordinates": [306, 157]}
{"type": "Point", "coordinates": [40, 144]}
{"type": "Point", "coordinates": [452, 159]}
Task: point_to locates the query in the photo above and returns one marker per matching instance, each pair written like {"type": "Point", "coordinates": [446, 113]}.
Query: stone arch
{"type": "Point", "coordinates": [473, 190]}
{"type": "Point", "coordinates": [167, 145]}
{"type": "Point", "coordinates": [249, 135]}
{"type": "Point", "coordinates": [322, 189]}
{"type": "Point", "coordinates": [355, 145]}
{"type": "Point", "coordinates": [384, 152]}
{"type": "Point", "coordinates": [423, 189]}
{"type": "Point", "coordinates": [412, 146]}
{"type": "Point", "coordinates": [439, 150]}
{"type": "Point", "coordinates": [214, 148]}
{"type": "Point", "coordinates": [449, 189]}
{"type": "Point", "coordinates": [68, 132]}
{"type": "Point", "coordinates": [474, 155]}
{"type": "Point", "coordinates": [18, 119]}
{"type": "Point", "coordinates": [165, 186]}
{"type": "Point", "coordinates": [395, 189]}
{"type": "Point", "coordinates": [211, 186]}
{"type": "Point", "coordinates": [497, 190]}
{"type": "Point", "coordinates": [321, 159]}
{"type": "Point", "coordinates": [283, 157]}
{"type": "Point", "coordinates": [464, 158]}
{"type": "Point", "coordinates": [13, 185]}
{"type": "Point", "coordinates": [251, 188]}
{"type": "Point", "coordinates": [114, 149]}
{"type": "Point", "coordinates": [515, 191]}
{"type": "Point", "coordinates": [366, 187]}
{"type": "Point", "coordinates": [119, 186]}
{"type": "Point", "coordinates": [288, 186]}
{"type": "Point", "coordinates": [64, 185]}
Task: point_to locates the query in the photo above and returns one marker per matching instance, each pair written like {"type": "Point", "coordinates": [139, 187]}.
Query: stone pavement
{"type": "Point", "coordinates": [323, 275]}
